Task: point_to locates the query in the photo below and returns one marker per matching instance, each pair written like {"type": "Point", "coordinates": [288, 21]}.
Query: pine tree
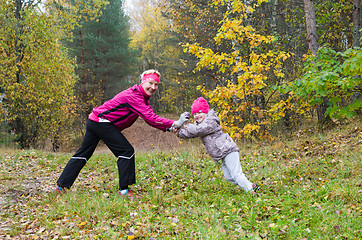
{"type": "Point", "coordinates": [103, 55]}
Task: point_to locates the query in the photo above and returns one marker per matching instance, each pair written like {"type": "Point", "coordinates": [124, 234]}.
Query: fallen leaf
{"type": "Point", "coordinates": [337, 228]}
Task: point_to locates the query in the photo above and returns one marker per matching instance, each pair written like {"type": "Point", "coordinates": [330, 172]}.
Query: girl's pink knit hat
{"type": "Point", "coordinates": [200, 105]}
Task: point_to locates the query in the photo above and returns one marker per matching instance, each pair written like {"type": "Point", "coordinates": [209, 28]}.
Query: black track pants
{"type": "Point", "coordinates": [114, 140]}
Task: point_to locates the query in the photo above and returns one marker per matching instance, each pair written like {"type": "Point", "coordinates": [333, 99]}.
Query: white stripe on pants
{"type": "Point", "coordinates": [233, 171]}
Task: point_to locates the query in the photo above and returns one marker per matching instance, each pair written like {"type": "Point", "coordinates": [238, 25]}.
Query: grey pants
{"type": "Point", "coordinates": [233, 172]}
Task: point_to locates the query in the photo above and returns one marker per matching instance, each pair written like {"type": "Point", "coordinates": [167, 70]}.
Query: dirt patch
{"type": "Point", "coordinates": [145, 138]}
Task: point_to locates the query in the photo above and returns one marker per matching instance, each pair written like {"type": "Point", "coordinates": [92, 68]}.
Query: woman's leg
{"type": "Point", "coordinates": [232, 162]}
{"type": "Point", "coordinates": [80, 158]}
{"type": "Point", "coordinates": [123, 150]}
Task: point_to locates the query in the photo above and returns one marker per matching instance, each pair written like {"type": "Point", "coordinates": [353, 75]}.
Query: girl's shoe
{"type": "Point", "coordinates": [60, 190]}
{"type": "Point", "coordinates": [126, 193]}
{"type": "Point", "coordinates": [256, 187]}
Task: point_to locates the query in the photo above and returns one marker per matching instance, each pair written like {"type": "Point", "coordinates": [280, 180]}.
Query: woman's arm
{"type": "Point", "coordinates": [145, 111]}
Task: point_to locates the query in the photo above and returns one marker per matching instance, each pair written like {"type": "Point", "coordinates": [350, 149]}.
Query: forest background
{"type": "Point", "coordinates": [281, 70]}
{"type": "Point", "coordinates": [267, 67]}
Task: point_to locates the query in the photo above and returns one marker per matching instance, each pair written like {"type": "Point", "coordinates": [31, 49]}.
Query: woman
{"type": "Point", "coordinates": [107, 121]}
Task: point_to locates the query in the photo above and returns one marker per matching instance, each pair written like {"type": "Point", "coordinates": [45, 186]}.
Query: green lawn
{"type": "Point", "coordinates": [311, 188]}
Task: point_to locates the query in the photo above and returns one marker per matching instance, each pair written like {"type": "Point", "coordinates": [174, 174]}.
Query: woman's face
{"type": "Point", "coordinates": [199, 117]}
{"type": "Point", "coordinates": [150, 87]}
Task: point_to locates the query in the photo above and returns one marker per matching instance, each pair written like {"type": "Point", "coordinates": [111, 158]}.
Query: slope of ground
{"type": "Point", "coordinates": [310, 189]}
{"type": "Point", "coordinates": [146, 138]}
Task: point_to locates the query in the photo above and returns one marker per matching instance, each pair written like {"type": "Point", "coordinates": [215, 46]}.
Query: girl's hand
{"type": "Point", "coordinates": [183, 118]}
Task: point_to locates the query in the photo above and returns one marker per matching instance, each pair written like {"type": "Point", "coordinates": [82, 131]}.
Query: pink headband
{"type": "Point", "coordinates": [149, 77]}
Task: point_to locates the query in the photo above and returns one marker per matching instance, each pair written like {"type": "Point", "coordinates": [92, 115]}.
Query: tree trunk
{"type": "Point", "coordinates": [19, 46]}
{"type": "Point", "coordinates": [311, 26]}
{"type": "Point", "coordinates": [82, 56]}
{"type": "Point", "coordinates": [356, 35]}
{"type": "Point", "coordinates": [356, 23]}
{"type": "Point", "coordinates": [313, 47]}
{"type": "Point", "coordinates": [273, 22]}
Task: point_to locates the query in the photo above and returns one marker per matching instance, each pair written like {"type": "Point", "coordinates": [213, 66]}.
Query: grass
{"type": "Point", "coordinates": [311, 189]}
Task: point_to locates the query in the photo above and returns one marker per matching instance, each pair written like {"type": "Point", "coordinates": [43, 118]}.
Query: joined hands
{"type": "Point", "coordinates": [184, 117]}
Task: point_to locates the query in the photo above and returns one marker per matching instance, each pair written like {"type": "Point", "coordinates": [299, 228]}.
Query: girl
{"type": "Point", "coordinates": [218, 145]}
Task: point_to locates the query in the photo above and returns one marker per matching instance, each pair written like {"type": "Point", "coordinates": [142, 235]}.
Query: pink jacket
{"type": "Point", "coordinates": [124, 109]}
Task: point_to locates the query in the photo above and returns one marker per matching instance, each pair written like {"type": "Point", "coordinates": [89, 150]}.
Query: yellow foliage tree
{"type": "Point", "coordinates": [240, 101]}
{"type": "Point", "coordinates": [150, 35]}
{"type": "Point", "coordinates": [36, 74]}
{"type": "Point", "coordinates": [71, 14]}
{"type": "Point", "coordinates": [152, 40]}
